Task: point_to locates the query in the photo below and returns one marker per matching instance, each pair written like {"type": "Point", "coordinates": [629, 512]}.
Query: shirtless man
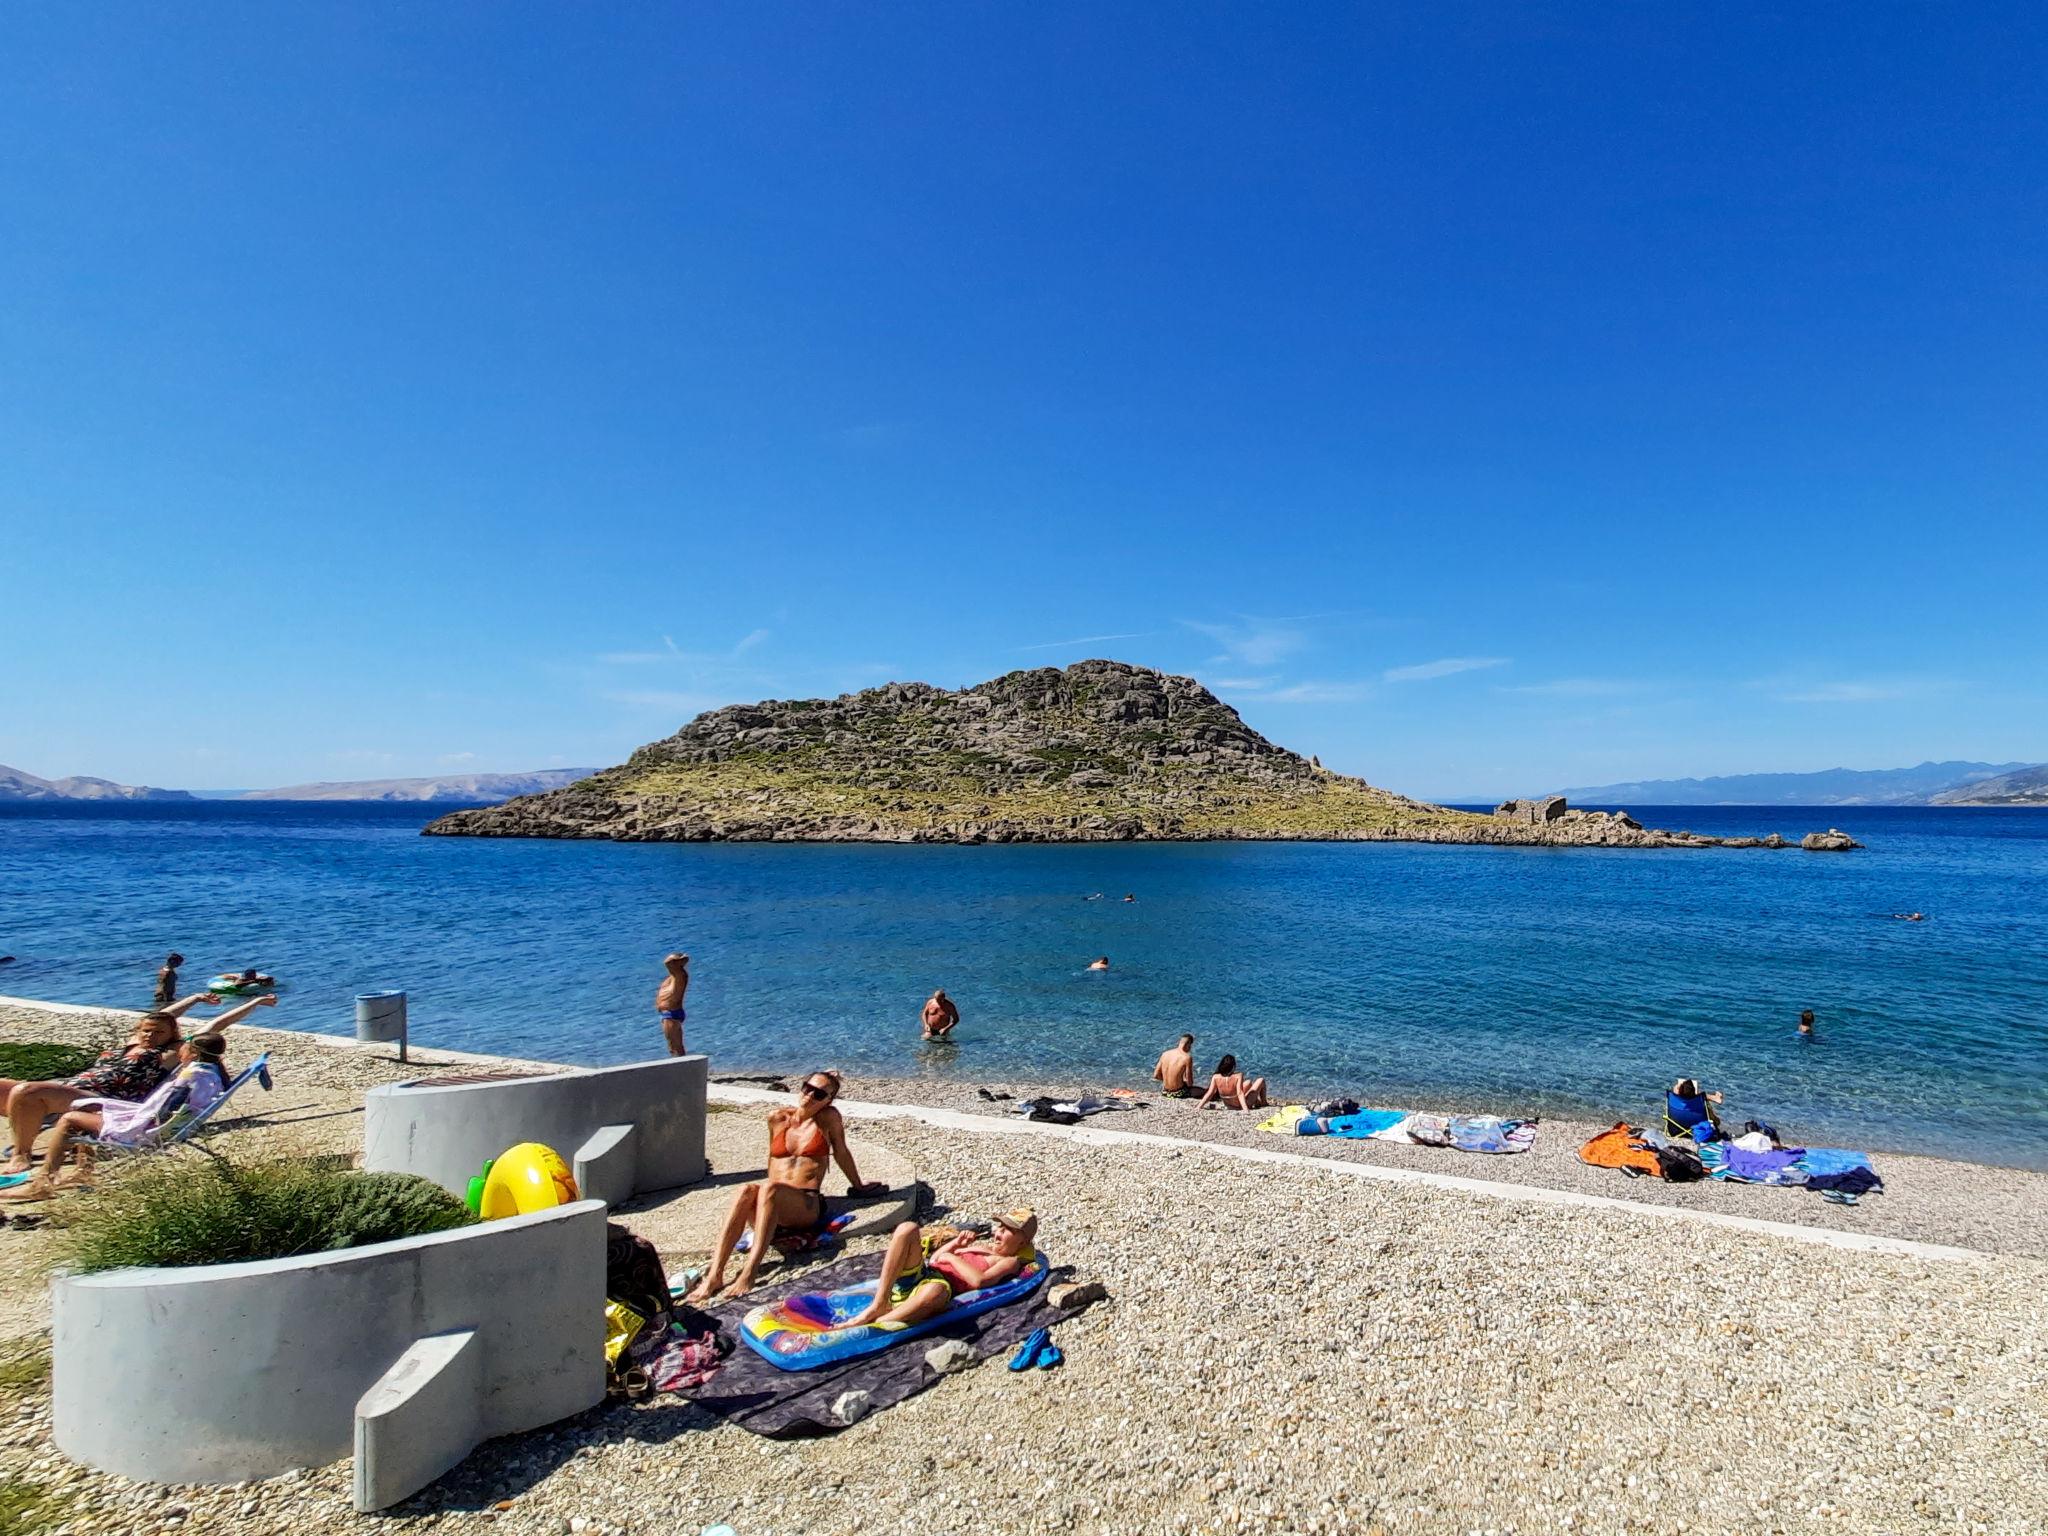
{"type": "Point", "coordinates": [802, 1139]}
{"type": "Point", "coordinates": [941, 1018]}
{"type": "Point", "coordinates": [1176, 1069]}
{"type": "Point", "coordinates": [668, 1001]}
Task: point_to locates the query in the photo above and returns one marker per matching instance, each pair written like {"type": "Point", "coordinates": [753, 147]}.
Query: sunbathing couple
{"type": "Point", "coordinates": [1227, 1085]}
{"type": "Point", "coordinates": [125, 1095]}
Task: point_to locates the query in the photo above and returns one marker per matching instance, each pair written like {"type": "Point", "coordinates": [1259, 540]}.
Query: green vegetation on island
{"type": "Point", "coordinates": [1099, 751]}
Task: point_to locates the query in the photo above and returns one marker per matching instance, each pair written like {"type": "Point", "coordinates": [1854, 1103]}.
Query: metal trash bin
{"type": "Point", "coordinates": [380, 1017]}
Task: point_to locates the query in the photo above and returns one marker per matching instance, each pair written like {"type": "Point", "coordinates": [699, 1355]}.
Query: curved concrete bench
{"type": "Point", "coordinates": [625, 1130]}
{"type": "Point", "coordinates": [410, 1352]}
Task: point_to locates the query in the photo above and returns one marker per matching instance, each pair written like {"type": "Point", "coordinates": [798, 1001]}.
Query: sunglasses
{"type": "Point", "coordinates": [813, 1091]}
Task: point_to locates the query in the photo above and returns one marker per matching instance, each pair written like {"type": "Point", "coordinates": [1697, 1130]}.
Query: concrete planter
{"type": "Point", "coordinates": [627, 1130]}
{"type": "Point", "coordinates": [408, 1353]}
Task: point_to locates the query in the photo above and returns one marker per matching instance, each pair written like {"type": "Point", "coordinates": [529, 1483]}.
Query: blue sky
{"type": "Point", "coordinates": [1483, 397]}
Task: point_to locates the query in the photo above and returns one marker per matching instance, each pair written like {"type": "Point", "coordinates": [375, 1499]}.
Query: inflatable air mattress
{"type": "Point", "coordinates": [809, 1331]}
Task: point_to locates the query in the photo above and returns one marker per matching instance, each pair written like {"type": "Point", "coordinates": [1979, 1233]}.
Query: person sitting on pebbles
{"type": "Point", "coordinates": [1230, 1087]}
{"type": "Point", "coordinates": [920, 1279]}
{"type": "Point", "coordinates": [1176, 1069]}
{"type": "Point", "coordinates": [803, 1138]}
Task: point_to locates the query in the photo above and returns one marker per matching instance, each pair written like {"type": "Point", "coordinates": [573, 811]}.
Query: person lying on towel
{"type": "Point", "coordinates": [926, 1278]}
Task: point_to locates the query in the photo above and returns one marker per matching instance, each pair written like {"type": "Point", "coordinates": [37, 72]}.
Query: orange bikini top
{"type": "Point", "coordinates": [814, 1145]}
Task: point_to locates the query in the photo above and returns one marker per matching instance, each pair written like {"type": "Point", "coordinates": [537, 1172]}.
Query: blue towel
{"type": "Point", "coordinates": [1832, 1160]}
{"type": "Point", "coordinates": [1364, 1123]}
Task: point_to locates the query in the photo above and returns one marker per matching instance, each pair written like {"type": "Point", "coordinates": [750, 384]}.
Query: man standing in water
{"type": "Point", "coordinates": [1176, 1069]}
{"type": "Point", "coordinates": [167, 979]}
{"type": "Point", "coordinates": [668, 1001]}
{"type": "Point", "coordinates": [940, 1016]}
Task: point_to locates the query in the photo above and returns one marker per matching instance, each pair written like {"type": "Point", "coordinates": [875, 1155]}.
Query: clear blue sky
{"type": "Point", "coordinates": [1484, 397]}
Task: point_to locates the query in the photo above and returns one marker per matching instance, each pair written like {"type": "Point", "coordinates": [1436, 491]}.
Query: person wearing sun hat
{"type": "Point", "coordinates": [920, 1277]}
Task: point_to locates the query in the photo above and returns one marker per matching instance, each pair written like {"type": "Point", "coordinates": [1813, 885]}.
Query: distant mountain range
{"type": "Point", "coordinates": [17, 785]}
{"type": "Point", "coordinates": [452, 789]}
{"type": "Point", "coordinates": [466, 788]}
{"type": "Point", "coordinates": [2029, 786]}
{"type": "Point", "coordinates": [1953, 783]}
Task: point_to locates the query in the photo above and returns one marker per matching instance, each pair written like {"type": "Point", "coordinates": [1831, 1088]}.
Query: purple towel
{"type": "Point", "coordinates": [1762, 1167]}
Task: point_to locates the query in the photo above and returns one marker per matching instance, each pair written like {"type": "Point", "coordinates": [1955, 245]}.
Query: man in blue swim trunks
{"type": "Point", "coordinates": [668, 1001]}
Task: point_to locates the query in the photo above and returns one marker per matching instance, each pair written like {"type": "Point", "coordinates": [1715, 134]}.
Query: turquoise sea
{"type": "Point", "coordinates": [1519, 980]}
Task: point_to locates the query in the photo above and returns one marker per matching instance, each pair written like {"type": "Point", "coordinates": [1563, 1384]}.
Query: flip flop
{"type": "Point", "coordinates": [1027, 1352]}
{"type": "Point", "coordinates": [1049, 1357]}
{"type": "Point", "coordinates": [13, 1180]}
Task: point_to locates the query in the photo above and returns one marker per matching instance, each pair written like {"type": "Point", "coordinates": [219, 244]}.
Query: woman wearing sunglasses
{"type": "Point", "coordinates": [803, 1139]}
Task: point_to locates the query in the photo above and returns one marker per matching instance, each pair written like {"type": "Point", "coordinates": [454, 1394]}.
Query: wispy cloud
{"type": "Point", "coordinates": [1320, 692]}
{"type": "Point", "coordinates": [1254, 642]}
{"type": "Point", "coordinates": [1243, 684]}
{"type": "Point", "coordinates": [1448, 666]}
{"type": "Point", "coordinates": [1808, 689]}
{"type": "Point", "coordinates": [1271, 690]}
{"type": "Point", "coordinates": [1576, 687]}
{"type": "Point", "coordinates": [1079, 640]}
{"type": "Point", "coordinates": [453, 758]}
{"type": "Point", "coordinates": [668, 700]}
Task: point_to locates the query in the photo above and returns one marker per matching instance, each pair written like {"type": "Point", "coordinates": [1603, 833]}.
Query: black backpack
{"type": "Point", "coordinates": [633, 1275]}
{"type": "Point", "coordinates": [1680, 1166]}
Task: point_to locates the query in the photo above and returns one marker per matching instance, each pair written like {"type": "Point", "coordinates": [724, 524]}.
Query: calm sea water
{"type": "Point", "coordinates": [1513, 979]}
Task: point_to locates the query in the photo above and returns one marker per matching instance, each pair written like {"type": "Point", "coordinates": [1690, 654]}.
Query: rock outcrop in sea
{"type": "Point", "coordinates": [1100, 752]}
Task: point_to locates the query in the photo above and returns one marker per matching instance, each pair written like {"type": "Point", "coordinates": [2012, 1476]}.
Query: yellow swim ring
{"type": "Point", "coordinates": [530, 1177]}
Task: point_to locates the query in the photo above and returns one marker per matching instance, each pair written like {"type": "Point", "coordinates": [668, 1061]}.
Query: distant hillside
{"type": "Point", "coordinates": [1102, 751]}
{"type": "Point", "coordinates": [16, 785]}
{"type": "Point", "coordinates": [470, 788]}
{"type": "Point", "coordinates": [1830, 786]}
{"type": "Point", "coordinates": [2028, 786]}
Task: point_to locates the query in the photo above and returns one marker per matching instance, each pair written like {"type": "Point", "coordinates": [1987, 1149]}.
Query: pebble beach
{"type": "Point", "coordinates": [1287, 1349]}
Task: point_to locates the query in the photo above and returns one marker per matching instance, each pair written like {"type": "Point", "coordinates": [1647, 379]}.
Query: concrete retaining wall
{"type": "Point", "coordinates": [223, 1372]}
{"type": "Point", "coordinates": [627, 1129]}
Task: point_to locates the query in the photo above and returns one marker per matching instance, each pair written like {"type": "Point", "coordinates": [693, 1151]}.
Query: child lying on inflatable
{"type": "Point", "coordinates": [918, 1284]}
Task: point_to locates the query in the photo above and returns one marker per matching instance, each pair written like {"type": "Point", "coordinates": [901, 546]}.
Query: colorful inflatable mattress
{"type": "Point", "coordinates": [809, 1331]}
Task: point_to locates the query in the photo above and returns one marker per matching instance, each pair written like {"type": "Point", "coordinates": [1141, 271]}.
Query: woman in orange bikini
{"type": "Point", "coordinates": [802, 1139]}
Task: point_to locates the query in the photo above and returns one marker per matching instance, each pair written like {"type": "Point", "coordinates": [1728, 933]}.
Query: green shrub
{"type": "Point", "coordinates": [175, 1211]}
{"type": "Point", "coordinates": [35, 1061]}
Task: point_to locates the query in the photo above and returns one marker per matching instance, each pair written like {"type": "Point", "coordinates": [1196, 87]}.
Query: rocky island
{"type": "Point", "coordinates": [1100, 752]}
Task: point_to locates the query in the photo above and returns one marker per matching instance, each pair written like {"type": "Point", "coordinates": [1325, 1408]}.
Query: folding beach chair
{"type": "Point", "coordinates": [183, 1126]}
{"type": "Point", "coordinates": [1688, 1114]}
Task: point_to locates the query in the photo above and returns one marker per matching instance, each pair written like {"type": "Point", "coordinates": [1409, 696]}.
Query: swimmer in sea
{"type": "Point", "coordinates": [1129, 897]}
{"type": "Point", "coordinates": [1806, 1024]}
{"type": "Point", "coordinates": [1099, 965]}
{"type": "Point", "coordinates": [668, 1000]}
{"type": "Point", "coordinates": [941, 1017]}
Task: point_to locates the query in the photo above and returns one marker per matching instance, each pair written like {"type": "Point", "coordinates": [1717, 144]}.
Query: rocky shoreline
{"type": "Point", "coordinates": [1099, 752]}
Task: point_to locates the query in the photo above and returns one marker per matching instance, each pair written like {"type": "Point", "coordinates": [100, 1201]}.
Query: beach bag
{"type": "Point", "coordinates": [1680, 1166]}
{"type": "Point", "coordinates": [633, 1275]}
{"type": "Point", "coordinates": [1329, 1107]}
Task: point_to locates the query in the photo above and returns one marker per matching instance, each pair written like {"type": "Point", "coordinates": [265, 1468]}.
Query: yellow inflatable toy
{"type": "Point", "coordinates": [530, 1177]}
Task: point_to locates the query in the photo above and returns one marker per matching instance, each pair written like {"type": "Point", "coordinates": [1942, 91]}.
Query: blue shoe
{"type": "Point", "coordinates": [1027, 1352]}
{"type": "Point", "coordinates": [11, 1180]}
{"type": "Point", "coordinates": [1049, 1357]}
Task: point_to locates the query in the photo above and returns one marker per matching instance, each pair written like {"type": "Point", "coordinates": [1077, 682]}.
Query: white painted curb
{"type": "Point", "coordinates": [1535, 1194]}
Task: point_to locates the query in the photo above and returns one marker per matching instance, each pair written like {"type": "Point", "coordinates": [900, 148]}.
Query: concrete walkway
{"type": "Point", "coordinates": [1100, 1135]}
